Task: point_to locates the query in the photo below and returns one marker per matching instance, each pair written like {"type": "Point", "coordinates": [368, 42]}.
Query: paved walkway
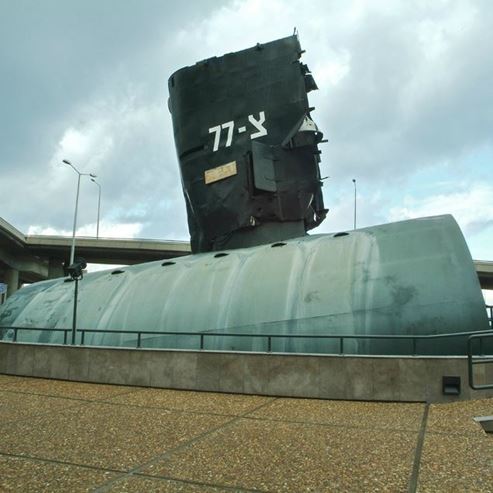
{"type": "Point", "coordinates": [63, 436]}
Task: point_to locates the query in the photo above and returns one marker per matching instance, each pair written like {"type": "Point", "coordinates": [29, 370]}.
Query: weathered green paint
{"type": "Point", "coordinates": [410, 277]}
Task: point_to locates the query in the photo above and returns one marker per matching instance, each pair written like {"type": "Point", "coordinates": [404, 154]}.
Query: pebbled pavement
{"type": "Point", "coordinates": [66, 436]}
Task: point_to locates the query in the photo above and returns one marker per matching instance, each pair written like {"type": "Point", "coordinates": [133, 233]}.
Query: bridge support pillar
{"type": "Point", "coordinates": [12, 281]}
{"type": "Point", "coordinates": [55, 268]}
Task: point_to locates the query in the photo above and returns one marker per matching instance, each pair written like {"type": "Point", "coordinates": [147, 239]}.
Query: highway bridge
{"type": "Point", "coordinates": [31, 258]}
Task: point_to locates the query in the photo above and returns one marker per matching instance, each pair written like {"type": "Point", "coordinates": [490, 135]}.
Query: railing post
{"type": "Point", "coordinates": [15, 334]}
{"type": "Point", "coordinates": [341, 345]}
{"type": "Point", "coordinates": [469, 363]}
{"type": "Point", "coordinates": [479, 361]}
{"type": "Point", "coordinates": [139, 334]}
{"type": "Point", "coordinates": [82, 337]}
{"type": "Point", "coordinates": [269, 344]}
{"type": "Point", "coordinates": [201, 342]}
{"type": "Point", "coordinates": [65, 336]}
{"type": "Point", "coordinates": [414, 346]}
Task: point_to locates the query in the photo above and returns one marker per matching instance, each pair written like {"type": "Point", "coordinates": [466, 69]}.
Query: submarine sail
{"type": "Point", "coordinates": [247, 146]}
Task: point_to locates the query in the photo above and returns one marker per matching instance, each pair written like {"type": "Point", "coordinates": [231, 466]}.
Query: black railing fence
{"type": "Point", "coordinates": [202, 336]}
{"type": "Point", "coordinates": [473, 359]}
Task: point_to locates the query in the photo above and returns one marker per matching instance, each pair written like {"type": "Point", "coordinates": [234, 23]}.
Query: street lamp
{"type": "Point", "coordinates": [354, 181]}
{"type": "Point", "coordinates": [99, 205]}
{"type": "Point", "coordinates": [72, 250]}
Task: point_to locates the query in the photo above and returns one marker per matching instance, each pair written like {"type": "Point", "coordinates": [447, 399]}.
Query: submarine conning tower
{"type": "Point", "coordinates": [247, 147]}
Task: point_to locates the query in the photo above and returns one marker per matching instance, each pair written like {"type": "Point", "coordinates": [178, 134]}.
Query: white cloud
{"type": "Point", "coordinates": [332, 69]}
{"type": "Point", "coordinates": [106, 230]}
{"type": "Point", "coordinates": [445, 26]}
{"type": "Point", "coordinates": [472, 208]}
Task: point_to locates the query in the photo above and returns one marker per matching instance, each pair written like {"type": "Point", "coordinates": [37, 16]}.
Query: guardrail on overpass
{"type": "Point", "coordinates": [484, 269]}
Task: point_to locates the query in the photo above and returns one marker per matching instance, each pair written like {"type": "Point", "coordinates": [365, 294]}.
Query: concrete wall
{"type": "Point", "coordinates": [327, 377]}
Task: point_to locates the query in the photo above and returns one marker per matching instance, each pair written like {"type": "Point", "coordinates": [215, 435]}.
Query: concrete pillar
{"type": "Point", "coordinates": [55, 268]}
{"type": "Point", "coordinates": [12, 281]}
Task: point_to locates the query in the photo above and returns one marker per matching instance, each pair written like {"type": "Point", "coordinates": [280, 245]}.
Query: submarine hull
{"type": "Point", "coordinates": [404, 278]}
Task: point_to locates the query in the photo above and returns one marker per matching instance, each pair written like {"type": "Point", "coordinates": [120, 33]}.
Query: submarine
{"type": "Point", "coordinates": [248, 151]}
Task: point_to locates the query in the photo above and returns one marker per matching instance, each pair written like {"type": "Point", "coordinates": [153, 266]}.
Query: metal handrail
{"type": "Point", "coordinates": [16, 329]}
{"type": "Point", "coordinates": [341, 337]}
{"type": "Point", "coordinates": [481, 360]}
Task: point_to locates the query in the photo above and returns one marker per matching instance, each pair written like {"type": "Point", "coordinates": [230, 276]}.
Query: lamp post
{"type": "Point", "coordinates": [354, 181]}
{"type": "Point", "coordinates": [99, 205]}
{"type": "Point", "coordinates": [72, 249]}
{"type": "Point", "coordinates": [76, 272]}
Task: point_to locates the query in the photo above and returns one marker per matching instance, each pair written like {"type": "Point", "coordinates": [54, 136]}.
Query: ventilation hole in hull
{"type": "Point", "coordinates": [118, 271]}
{"type": "Point", "coordinates": [280, 244]}
{"type": "Point", "coordinates": [337, 235]}
{"type": "Point", "coordinates": [222, 254]}
{"type": "Point", "coordinates": [165, 264]}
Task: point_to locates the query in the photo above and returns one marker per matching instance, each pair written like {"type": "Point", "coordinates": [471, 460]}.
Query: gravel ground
{"type": "Point", "coordinates": [65, 436]}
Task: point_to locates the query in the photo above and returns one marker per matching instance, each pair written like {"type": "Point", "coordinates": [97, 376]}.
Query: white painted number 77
{"type": "Point", "coordinates": [217, 131]}
{"type": "Point", "coordinates": [258, 124]}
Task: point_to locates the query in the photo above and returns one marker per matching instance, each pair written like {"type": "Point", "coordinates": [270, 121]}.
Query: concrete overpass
{"type": "Point", "coordinates": [31, 258]}
{"type": "Point", "coordinates": [484, 268]}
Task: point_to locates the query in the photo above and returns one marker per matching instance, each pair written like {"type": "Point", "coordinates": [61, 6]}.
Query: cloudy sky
{"type": "Point", "coordinates": [405, 99]}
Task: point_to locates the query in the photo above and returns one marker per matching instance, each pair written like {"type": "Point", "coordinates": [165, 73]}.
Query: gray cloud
{"type": "Point", "coordinates": [403, 87]}
{"type": "Point", "coordinates": [417, 92]}
{"type": "Point", "coordinates": [80, 65]}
